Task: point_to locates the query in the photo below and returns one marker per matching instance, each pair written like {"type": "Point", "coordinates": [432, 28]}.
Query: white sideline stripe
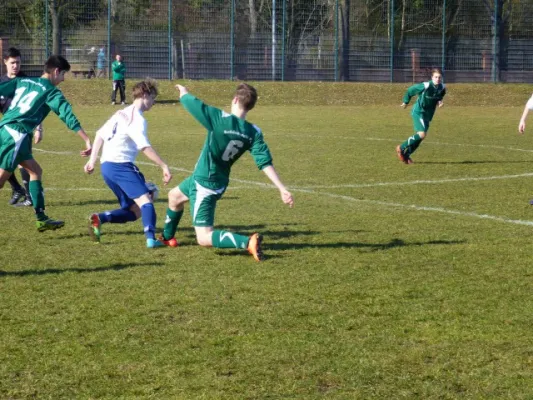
{"type": "Point", "coordinates": [373, 202]}
{"type": "Point", "coordinates": [422, 208]}
{"type": "Point", "coordinates": [419, 182]}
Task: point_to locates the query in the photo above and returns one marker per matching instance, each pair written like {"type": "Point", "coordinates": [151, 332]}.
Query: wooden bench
{"type": "Point", "coordinates": [82, 70]}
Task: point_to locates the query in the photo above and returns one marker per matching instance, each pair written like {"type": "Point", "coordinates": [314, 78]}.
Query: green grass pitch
{"type": "Point", "coordinates": [385, 281]}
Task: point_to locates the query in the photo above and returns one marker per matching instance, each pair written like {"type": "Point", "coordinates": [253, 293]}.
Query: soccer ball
{"type": "Point", "coordinates": [154, 190]}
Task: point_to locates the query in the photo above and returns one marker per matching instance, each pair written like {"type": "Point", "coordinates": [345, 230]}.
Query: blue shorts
{"type": "Point", "coordinates": [125, 180]}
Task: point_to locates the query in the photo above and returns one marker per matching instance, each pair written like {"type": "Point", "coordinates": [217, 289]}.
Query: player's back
{"type": "Point", "coordinates": [28, 106]}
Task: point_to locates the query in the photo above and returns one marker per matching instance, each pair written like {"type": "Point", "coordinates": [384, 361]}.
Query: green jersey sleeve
{"type": "Point", "coordinates": [7, 89]}
{"type": "Point", "coordinates": [207, 115]}
{"type": "Point", "coordinates": [260, 151]}
{"type": "Point", "coordinates": [59, 104]}
{"type": "Point", "coordinates": [413, 91]}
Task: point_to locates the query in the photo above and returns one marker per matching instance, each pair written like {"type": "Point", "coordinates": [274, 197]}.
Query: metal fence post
{"type": "Point", "coordinates": [392, 40]}
{"type": "Point", "coordinates": [283, 42]}
{"type": "Point", "coordinates": [169, 40]}
{"type": "Point", "coordinates": [336, 40]}
{"type": "Point", "coordinates": [109, 39]}
{"type": "Point", "coordinates": [443, 62]}
{"type": "Point", "coordinates": [494, 43]}
{"type": "Point", "coordinates": [232, 40]}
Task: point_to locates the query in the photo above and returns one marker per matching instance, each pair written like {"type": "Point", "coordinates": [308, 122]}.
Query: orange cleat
{"type": "Point", "coordinates": [254, 247]}
{"type": "Point", "coordinates": [170, 243]}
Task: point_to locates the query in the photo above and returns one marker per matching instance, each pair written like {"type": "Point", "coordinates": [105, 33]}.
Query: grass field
{"type": "Point", "coordinates": [385, 281]}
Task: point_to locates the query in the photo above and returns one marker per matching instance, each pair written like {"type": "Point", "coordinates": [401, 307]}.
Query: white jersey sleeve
{"type": "Point", "coordinates": [124, 135]}
{"type": "Point", "coordinates": [529, 103]}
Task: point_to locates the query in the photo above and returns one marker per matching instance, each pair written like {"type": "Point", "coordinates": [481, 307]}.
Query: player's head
{"type": "Point", "coordinates": [144, 94]}
{"type": "Point", "coordinates": [245, 96]}
{"type": "Point", "coordinates": [436, 76]}
{"type": "Point", "coordinates": [56, 67]}
{"type": "Point", "coordinates": [12, 62]}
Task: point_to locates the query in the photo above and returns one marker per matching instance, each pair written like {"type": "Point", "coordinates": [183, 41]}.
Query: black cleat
{"type": "Point", "coordinates": [49, 225]}
{"type": "Point", "coordinates": [16, 196]}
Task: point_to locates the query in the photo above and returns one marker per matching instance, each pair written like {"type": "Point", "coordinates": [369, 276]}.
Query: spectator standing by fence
{"type": "Point", "coordinates": [119, 69]}
{"type": "Point", "coordinates": [100, 64]}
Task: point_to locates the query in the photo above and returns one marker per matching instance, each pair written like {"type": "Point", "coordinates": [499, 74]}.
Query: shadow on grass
{"type": "Point", "coordinates": [372, 246]}
{"type": "Point", "coordinates": [113, 267]}
{"type": "Point", "coordinates": [466, 162]}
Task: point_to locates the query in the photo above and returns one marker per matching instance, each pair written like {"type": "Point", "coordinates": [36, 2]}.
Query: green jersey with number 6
{"type": "Point", "coordinates": [32, 100]}
{"type": "Point", "coordinates": [228, 138]}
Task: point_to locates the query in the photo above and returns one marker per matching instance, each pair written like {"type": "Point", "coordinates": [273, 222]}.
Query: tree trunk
{"type": "Point", "coordinates": [253, 18]}
{"type": "Point", "coordinates": [345, 39]}
{"type": "Point", "coordinates": [55, 15]}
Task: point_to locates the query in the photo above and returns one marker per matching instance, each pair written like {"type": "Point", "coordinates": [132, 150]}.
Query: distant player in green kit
{"type": "Point", "coordinates": [430, 95]}
{"type": "Point", "coordinates": [32, 100]}
{"type": "Point", "coordinates": [229, 136]}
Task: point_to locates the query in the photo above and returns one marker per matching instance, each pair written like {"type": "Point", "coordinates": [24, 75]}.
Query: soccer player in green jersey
{"type": "Point", "coordinates": [229, 136]}
{"type": "Point", "coordinates": [430, 95]}
{"type": "Point", "coordinates": [32, 100]}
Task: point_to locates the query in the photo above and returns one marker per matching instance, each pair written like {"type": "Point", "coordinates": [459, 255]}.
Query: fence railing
{"type": "Point", "coordinates": [328, 40]}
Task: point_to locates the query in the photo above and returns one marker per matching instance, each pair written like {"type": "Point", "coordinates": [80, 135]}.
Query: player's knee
{"type": "Point", "coordinates": [422, 135]}
{"type": "Point", "coordinates": [204, 240]}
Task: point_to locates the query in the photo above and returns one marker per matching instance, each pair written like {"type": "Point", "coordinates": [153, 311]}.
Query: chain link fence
{"type": "Point", "coordinates": [287, 40]}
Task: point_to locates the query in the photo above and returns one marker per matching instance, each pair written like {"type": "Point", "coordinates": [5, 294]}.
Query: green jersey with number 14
{"type": "Point", "coordinates": [32, 100]}
{"type": "Point", "coordinates": [228, 138]}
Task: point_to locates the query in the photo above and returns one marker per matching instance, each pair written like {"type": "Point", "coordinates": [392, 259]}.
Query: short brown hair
{"type": "Point", "coordinates": [436, 70]}
{"type": "Point", "coordinates": [247, 96]}
{"type": "Point", "coordinates": [148, 86]}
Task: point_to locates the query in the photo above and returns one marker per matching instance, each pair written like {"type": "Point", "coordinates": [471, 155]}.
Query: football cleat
{"type": "Point", "coordinates": [25, 203]}
{"type": "Point", "coordinates": [94, 227]}
{"type": "Point", "coordinates": [170, 243]}
{"type": "Point", "coordinates": [401, 156]}
{"type": "Point", "coordinates": [153, 243]}
{"type": "Point", "coordinates": [254, 247]}
{"type": "Point", "coordinates": [16, 196]}
{"type": "Point", "coordinates": [49, 225]}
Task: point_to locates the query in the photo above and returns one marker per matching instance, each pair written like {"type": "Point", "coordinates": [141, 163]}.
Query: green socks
{"type": "Point", "coordinates": [228, 240]}
{"type": "Point", "coordinates": [37, 196]}
{"type": "Point", "coordinates": [171, 223]}
{"type": "Point", "coordinates": [411, 144]}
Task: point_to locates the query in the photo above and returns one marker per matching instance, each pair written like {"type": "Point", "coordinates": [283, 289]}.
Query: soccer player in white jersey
{"type": "Point", "coordinates": [122, 137]}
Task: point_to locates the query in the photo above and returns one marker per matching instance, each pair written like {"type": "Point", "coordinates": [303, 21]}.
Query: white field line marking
{"type": "Point", "coordinates": [422, 208]}
{"type": "Point", "coordinates": [375, 202]}
{"type": "Point", "coordinates": [418, 182]}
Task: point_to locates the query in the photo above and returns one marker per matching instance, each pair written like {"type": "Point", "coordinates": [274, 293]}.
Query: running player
{"type": "Point", "coordinates": [122, 137]}
{"type": "Point", "coordinates": [430, 95]}
{"type": "Point", "coordinates": [229, 136]}
{"type": "Point", "coordinates": [32, 100]}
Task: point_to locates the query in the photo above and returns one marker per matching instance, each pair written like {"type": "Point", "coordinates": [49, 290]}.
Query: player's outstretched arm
{"type": "Point", "coordinates": [286, 196]}
{"type": "Point", "coordinates": [153, 156]}
{"type": "Point", "coordinates": [98, 142]}
{"type": "Point", "coordinates": [522, 123]}
{"type": "Point", "coordinates": [88, 147]}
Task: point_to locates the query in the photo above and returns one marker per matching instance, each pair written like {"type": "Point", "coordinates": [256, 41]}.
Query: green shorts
{"type": "Point", "coordinates": [420, 123]}
{"type": "Point", "coordinates": [15, 147]}
{"type": "Point", "coordinates": [203, 201]}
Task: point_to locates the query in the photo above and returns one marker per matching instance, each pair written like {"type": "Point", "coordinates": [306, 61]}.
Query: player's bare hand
{"type": "Point", "coordinates": [403, 105]}
{"type": "Point", "coordinates": [440, 103]}
{"type": "Point", "coordinates": [89, 167]}
{"type": "Point", "coordinates": [37, 136]}
{"type": "Point", "coordinates": [183, 90]}
{"type": "Point", "coordinates": [287, 198]}
{"type": "Point", "coordinates": [521, 127]}
{"type": "Point", "coordinates": [88, 149]}
{"type": "Point", "coordinates": [167, 176]}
